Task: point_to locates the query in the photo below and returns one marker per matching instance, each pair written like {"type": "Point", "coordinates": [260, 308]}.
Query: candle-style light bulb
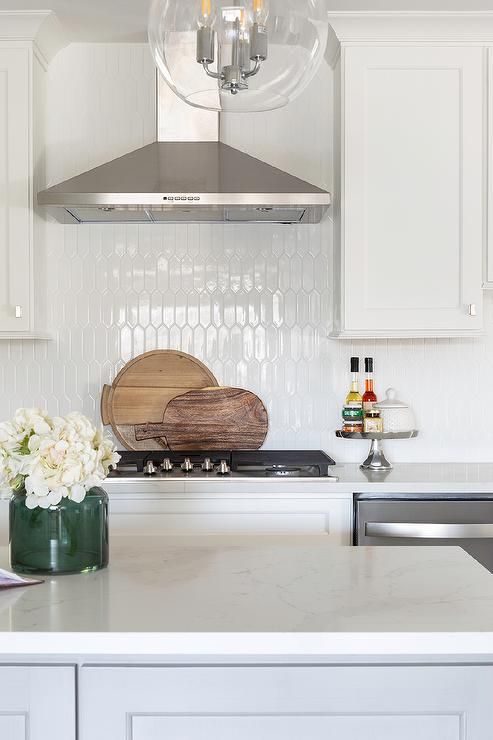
{"type": "Point", "coordinates": [260, 11]}
{"type": "Point", "coordinates": [206, 36]}
{"type": "Point", "coordinates": [205, 17]}
{"type": "Point", "coordinates": [244, 40]}
{"type": "Point", "coordinates": [259, 43]}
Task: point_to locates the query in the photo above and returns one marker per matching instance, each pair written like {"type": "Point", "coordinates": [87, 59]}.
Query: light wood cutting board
{"type": "Point", "coordinates": [210, 419]}
{"type": "Point", "coordinates": [143, 388]}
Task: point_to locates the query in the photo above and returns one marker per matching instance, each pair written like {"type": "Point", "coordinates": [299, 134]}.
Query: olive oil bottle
{"type": "Point", "coordinates": [352, 412]}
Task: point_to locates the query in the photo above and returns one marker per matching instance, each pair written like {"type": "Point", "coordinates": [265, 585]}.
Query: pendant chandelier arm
{"type": "Point", "coordinates": [254, 71]}
{"type": "Point", "coordinates": [215, 75]}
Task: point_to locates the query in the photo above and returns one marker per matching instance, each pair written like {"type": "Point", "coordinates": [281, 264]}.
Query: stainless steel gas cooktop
{"type": "Point", "coordinates": [248, 464]}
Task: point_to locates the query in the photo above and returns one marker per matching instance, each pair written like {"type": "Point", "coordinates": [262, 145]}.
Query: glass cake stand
{"type": "Point", "coordinates": [376, 459]}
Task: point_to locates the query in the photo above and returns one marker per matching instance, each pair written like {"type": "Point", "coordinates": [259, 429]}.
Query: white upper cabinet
{"type": "Point", "coordinates": [27, 42]}
{"type": "Point", "coordinates": [16, 221]}
{"type": "Point", "coordinates": [409, 225]}
{"type": "Point", "coordinates": [488, 262]}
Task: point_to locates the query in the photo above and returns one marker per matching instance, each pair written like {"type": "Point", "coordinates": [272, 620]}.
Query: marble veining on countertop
{"type": "Point", "coordinates": [172, 595]}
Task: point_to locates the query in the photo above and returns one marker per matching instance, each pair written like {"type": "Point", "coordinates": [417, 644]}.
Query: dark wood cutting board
{"type": "Point", "coordinates": [210, 419]}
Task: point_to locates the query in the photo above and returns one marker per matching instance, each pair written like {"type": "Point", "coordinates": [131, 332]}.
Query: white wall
{"type": "Point", "coordinates": [253, 302]}
{"type": "Point", "coordinates": [297, 138]}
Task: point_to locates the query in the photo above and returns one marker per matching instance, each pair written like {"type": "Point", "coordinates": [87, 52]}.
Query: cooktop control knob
{"type": "Point", "coordinates": [207, 465]}
{"type": "Point", "coordinates": [150, 468]}
{"type": "Point", "coordinates": [186, 465]}
{"type": "Point", "coordinates": [166, 465]}
{"type": "Point", "coordinates": [223, 468]}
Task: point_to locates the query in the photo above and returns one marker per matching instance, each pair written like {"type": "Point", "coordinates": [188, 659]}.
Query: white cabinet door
{"type": "Point", "coordinates": [411, 191]}
{"type": "Point", "coordinates": [37, 703]}
{"type": "Point", "coordinates": [15, 189]}
{"type": "Point", "coordinates": [488, 264]}
{"type": "Point", "coordinates": [286, 703]}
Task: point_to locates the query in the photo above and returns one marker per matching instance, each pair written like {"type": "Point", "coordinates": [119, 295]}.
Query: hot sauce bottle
{"type": "Point", "coordinates": [369, 396]}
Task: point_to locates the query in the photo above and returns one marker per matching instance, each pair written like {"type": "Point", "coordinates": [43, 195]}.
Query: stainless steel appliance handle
{"type": "Point", "coordinates": [427, 530]}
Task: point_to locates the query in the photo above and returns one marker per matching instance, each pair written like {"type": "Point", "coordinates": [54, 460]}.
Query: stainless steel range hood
{"type": "Point", "coordinates": [192, 182]}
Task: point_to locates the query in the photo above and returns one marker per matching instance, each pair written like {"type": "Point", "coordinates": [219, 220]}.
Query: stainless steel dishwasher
{"type": "Point", "coordinates": [427, 519]}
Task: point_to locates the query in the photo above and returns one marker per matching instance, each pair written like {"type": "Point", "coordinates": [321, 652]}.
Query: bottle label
{"type": "Point", "coordinates": [368, 406]}
{"type": "Point", "coordinates": [373, 425]}
{"type": "Point", "coordinates": [353, 412]}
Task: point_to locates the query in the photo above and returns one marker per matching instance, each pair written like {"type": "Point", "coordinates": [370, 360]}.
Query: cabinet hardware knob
{"type": "Point", "coordinates": [18, 312]}
{"type": "Point", "coordinates": [472, 310]}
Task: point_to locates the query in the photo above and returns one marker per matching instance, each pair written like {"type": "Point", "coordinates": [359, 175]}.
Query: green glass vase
{"type": "Point", "coordinates": [66, 538]}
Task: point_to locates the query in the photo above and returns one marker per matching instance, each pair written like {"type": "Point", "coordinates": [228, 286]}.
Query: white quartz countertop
{"type": "Point", "coordinates": [466, 478]}
{"type": "Point", "coordinates": [261, 596]}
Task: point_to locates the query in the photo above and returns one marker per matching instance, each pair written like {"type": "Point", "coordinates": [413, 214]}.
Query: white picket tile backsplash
{"type": "Point", "coordinates": [253, 302]}
{"type": "Point", "coordinates": [240, 304]}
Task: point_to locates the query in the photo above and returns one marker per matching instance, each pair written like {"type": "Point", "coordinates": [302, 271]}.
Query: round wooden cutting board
{"type": "Point", "coordinates": [210, 419]}
{"type": "Point", "coordinates": [143, 389]}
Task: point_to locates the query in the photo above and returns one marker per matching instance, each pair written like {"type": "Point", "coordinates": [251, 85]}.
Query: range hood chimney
{"type": "Point", "coordinates": [186, 181]}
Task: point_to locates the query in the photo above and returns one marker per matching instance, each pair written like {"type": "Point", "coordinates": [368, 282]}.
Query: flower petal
{"type": "Point", "coordinates": [55, 497]}
{"type": "Point", "coordinates": [77, 493]}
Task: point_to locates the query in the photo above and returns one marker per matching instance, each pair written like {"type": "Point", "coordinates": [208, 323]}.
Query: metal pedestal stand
{"type": "Point", "coordinates": [376, 459]}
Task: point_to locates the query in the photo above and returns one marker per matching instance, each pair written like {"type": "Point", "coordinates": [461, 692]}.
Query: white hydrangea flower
{"type": "Point", "coordinates": [57, 458]}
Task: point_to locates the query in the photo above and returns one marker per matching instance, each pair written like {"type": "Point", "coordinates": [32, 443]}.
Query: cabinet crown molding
{"type": "Point", "coordinates": [412, 27]}
{"type": "Point", "coordinates": [41, 28]}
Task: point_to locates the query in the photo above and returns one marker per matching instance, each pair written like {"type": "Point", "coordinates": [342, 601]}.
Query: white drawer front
{"type": "Point", "coordinates": [214, 516]}
{"type": "Point", "coordinates": [295, 727]}
{"type": "Point", "coordinates": [288, 703]}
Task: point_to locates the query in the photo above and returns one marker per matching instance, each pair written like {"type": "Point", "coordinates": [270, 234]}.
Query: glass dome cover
{"type": "Point", "coordinates": [238, 55]}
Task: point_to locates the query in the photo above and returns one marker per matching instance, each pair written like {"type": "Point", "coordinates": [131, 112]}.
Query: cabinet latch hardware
{"type": "Point", "coordinates": [18, 312]}
{"type": "Point", "coordinates": [472, 310]}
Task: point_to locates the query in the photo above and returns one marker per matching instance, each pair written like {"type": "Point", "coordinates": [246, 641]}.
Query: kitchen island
{"type": "Point", "coordinates": [210, 637]}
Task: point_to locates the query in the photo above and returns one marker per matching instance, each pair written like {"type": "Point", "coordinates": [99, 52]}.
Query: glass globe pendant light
{"type": "Point", "coordinates": [238, 55]}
